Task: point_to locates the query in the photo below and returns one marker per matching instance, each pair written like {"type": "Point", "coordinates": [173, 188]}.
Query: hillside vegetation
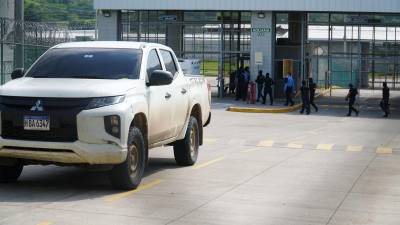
{"type": "Point", "coordinates": [73, 12]}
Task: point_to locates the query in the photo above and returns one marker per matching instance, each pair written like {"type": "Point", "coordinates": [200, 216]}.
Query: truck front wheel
{"type": "Point", "coordinates": [187, 150]}
{"type": "Point", "coordinates": [10, 174]}
{"type": "Point", "coordinates": [127, 175]}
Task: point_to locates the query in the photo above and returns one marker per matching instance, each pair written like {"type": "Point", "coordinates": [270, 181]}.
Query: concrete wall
{"type": "Point", "coordinates": [392, 6]}
{"type": "Point", "coordinates": [7, 8]}
{"type": "Point", "coordinates": [108, 26]}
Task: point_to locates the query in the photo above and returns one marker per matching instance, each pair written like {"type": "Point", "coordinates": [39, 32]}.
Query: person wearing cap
{"type": "Point", "coordinates": [268, 90]}
{"type": "Point", "coordinates": [305, 97]}
{"type": "Point", "coordinates": [351, 98]}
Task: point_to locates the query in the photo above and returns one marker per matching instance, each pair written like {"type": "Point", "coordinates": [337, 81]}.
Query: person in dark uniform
{"type": "Point", "coordinates": [305, 97]}
{"type": "Point", "coordinates": [313, 88]}
{"type": "Point", "coordinates": [260, 84]}
{"type": "Point", "coordinates": [268, 90]}
{"type": "Point", "coordinates": [232, 85]}
{"type": "Point", "coordinates": [240, 84]}
{"type": "Point", "coordinates": [246, 74]}
{"type": "Point", "coordinates": [351, 97]}
{"type": "Point", "coordinates": [385, 100]}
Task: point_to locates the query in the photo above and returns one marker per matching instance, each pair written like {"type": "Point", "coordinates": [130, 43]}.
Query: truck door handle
{"type": "Point", "coordinates": [184, 91]}
{"type": "Point", "coordinates": [167, 95]}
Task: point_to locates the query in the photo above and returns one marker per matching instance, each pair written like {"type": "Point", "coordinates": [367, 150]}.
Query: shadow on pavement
{"type": "Point", "coordinates": [40, 184]}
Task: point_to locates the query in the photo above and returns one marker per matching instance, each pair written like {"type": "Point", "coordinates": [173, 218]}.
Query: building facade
{"type": "Point", "coordinates": [336, 42]}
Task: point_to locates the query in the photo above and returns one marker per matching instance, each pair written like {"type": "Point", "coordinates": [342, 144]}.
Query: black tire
{"type": "Point", "coordinates": [128, 175]}
{"type": "Point", "coordinates": [187, 150]}
{"type": "Point", "coordinates": [10, 174]}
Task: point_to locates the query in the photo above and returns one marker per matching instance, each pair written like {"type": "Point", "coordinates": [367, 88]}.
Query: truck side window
{"type": "Point", "coordinates": [169, 61]}
{"type": "Point", "coordinates": [153, 63]}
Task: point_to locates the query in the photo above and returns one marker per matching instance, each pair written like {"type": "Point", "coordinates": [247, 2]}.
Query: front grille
{"type": "Point", "coordinates": [61, 111]}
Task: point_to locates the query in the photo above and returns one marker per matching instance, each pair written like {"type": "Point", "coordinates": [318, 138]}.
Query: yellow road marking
{"type": "Point", "coordinates": [325, 147]}
{"type": "Point", "coordinates": [202, 165]}
{"type": "Point", "coordinates": [295, 145]}
{"type": "Point", "coordinates": [251, 150]}
{"type": "Point", "coordinates": [384, 150]}
{"type": "Point", "coordinates": [119, 196]}
{"type": "Point", "coordinates": [354, 148]}
{"type": "Point", "coordinates": [266, 143]}
{"type": "Point", "coordinates": [210, 140]}
{"type": "Point", "coordinates": [45, 223]}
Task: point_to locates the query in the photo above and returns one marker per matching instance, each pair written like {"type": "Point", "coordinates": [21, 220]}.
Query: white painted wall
{"type": "Point", "coordinates": [390, 6]}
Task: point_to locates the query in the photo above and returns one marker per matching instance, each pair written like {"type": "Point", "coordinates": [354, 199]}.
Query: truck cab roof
{"type": "Point", "coordinates": [109, 44]}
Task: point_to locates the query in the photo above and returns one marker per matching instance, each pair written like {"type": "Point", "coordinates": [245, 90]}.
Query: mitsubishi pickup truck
{"type": "Point", "coordinates": [104, 104]}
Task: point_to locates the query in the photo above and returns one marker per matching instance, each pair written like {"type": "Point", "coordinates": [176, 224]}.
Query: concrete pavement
{"type": "Point", "coordinates": [273, 169]}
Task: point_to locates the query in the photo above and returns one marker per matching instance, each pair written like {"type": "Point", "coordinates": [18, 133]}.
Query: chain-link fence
{"type": "Point", "coordinates": [21, 43]}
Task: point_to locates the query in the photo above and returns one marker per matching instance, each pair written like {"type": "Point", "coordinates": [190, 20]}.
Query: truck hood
{"type": "Point", "coordinates": [67, 88]}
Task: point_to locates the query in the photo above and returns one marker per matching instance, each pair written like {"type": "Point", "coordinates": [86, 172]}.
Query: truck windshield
{"type": "Point", "coordinates": [88, 63]}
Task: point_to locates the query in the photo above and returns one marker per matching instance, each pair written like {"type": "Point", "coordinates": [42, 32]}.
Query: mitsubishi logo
{"type": "Point", "coordinates": [38, 107]}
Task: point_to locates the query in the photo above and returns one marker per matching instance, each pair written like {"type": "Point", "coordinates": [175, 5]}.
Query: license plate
{"type": "Point", "coordinates": [36, 123]}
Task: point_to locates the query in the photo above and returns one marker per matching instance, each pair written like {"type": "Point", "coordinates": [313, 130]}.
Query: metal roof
{"type": "Point", "coordinates": [382, 6]}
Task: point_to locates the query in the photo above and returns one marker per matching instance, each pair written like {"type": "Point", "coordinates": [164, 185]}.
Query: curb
{"type": "Point", "coordinates": [275, 110]}
{"type": "Point", "coordinates": [261, 110]}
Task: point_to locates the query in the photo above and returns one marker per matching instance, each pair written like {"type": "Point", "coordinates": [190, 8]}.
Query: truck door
{"type": "Point", "coordinates": [160, 104]}
{"type": "Point", "coordinates": [180, 92]}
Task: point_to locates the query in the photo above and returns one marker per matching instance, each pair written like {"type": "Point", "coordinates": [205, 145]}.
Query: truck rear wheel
{"type": "Point", "coordinates": [187, 150]}
{"type": "Point", "coordinates": [127, 175]}
{"type": "Point", "coordinates": [9, 174]}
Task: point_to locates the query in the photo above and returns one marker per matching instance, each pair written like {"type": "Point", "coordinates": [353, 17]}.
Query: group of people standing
{"type": "Point", "coordinates": [239, 82]}
{"type": "Point", "coordinates": [264, 88]}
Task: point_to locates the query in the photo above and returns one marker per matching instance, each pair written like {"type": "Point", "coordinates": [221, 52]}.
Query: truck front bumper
{"type": "Point", "coordinates": [67, 153]}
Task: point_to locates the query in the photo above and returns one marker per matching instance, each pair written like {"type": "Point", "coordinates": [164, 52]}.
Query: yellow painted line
{"type": "Point", "coordinates": [45, 223]}
{"type": "Point", "coordinates": [251, 150]}
{"type": "Point", "coordinates": [202, 165]}
{"type": "Point", "coordinates": [210, 140]}
{"type": "Point", "coordinates": [325, 147]}
{"type": "Point", "coordinates": [354, 148]}
{"type": "Point", "coordinates": [266, 143]}
{"type": "Point", "coordinates": [384, 150]}
{"type": "Point", "coordinates": [119, 196]}
{"type": "Point", "coordinates": [295, 145]}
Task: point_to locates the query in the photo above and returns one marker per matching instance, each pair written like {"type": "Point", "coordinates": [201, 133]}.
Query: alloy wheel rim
{"type": "Point", "coordinates": [133, 159]}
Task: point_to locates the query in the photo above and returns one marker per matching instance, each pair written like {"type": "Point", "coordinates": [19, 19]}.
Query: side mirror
{"type": "Point", "coordinates": [17, 73]}
{"type": "Point", "coordinates": [160, 78]}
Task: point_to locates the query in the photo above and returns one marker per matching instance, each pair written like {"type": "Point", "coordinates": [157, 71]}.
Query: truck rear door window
{"type": "Point", "coordinates": [88, 63]}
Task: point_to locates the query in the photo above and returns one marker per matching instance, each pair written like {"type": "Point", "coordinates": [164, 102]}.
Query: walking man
{"type": "Point", "coordinates": [305, 97]}
{"type": "Point", "coordinates": [351, 97]}
{"type": "Point", "coordinates": [260, 85]}
{"type": "Point", "coordinates": [246, 74]}
{"type": "Point", "coordinates": [289, 87]}
{"type": "Point", "coordinates": [268, 90]}
{"type": "Point", "coordinates": [239, 84]}
{"type": "Point", "coordinates": [385, 100]}
{"type": "Point", "coordinates": [313, 88]}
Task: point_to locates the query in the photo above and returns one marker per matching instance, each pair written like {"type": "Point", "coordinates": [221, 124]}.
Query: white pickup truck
{"type": "Point", "coordinates": [101, 103]}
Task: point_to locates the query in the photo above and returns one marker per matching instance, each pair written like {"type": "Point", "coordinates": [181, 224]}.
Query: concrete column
{"type": "Point", "coordinates": [108, 25]}
{"type": "Point", "coordinates": [262, 42]}
{"type": "Point", "coordinates": [19, 34]}
{"type": "Point", "coordinates": [175, 33]}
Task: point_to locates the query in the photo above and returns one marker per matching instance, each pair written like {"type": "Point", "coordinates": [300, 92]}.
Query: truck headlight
{"type": "Point", "coordinates": [105, 101]}
{"type": "Point", "coordinates": [112, 125]}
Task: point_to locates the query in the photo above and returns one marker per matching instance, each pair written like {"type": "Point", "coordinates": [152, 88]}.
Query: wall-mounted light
{"type": "Point", "coordinates": [261, 15]}
{"type": "Point", "coordinates": [106, 13]}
